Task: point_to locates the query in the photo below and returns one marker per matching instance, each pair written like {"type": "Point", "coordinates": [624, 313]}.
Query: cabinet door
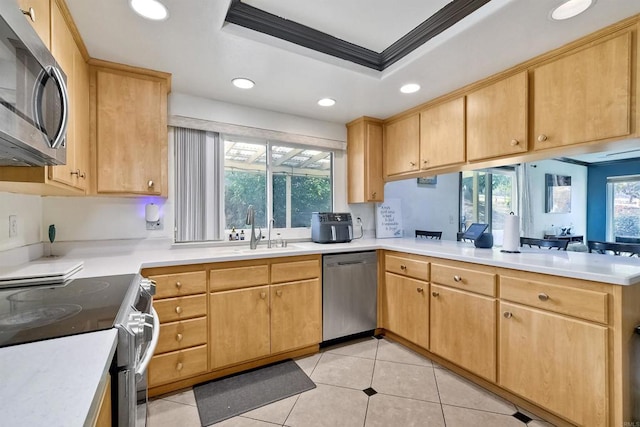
{"type": "Point", "coordinates": [296, 315]}
{"type": "Point", "coordinates": [239, 325]}
{"type": "Point", "coordinates": [131, 133]}
{"type": "Point", "coordinates": [585, 96]}
{"type": "Point", "coordinates": [497, 119]}
{"type": "Point", "coordinates": [405, 308]}
{"type": "Point", "coordinates": [364, 162]}
{"type": "Point", "coordinates": [402, 145]}
{"type": "Point", "coordinates": [442, 134]}
{"type": "Point", "coordinates": [461, 321]}
{"type": "Point", "coordinates": [555, 361]}
{"type": "Point", "coordinates": [40, 21]}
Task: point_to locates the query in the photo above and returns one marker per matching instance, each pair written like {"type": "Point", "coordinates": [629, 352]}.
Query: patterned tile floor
{"type": "Point", "coordinates": [365, 383]}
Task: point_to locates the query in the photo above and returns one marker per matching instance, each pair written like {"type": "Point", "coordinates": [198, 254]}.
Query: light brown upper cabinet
{"type": "Point", "coordinates": [364, 161]}
{"type": "Point", "coordinates": [442, 134]}
{"type": "Point", "coordinates": [497, 119]}
{"type": "Point", "coordinates": [402, 145]}
{"type": "Point", "coordinates": [38, 14]}
{"type": "Point", "coordinates": [584, 96]}
{"type": "Point", "coordinates": [130, 129]}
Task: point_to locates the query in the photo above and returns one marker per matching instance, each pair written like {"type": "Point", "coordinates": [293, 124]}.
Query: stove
{"type": "Point", "coordinates": [33, 312]}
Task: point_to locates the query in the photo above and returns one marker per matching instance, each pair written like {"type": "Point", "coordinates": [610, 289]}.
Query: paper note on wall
{"type": "Point", "coordinates": [389, 219]}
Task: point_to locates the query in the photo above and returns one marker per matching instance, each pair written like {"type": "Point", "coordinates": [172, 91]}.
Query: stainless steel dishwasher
{"type": "Point", "coordinates": [349, 288]}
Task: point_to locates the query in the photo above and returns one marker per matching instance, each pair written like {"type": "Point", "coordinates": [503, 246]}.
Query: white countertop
{"type": "Point", "coordinates": [55, 382]}
{"type": "Point", "coordinates": [579, 265]}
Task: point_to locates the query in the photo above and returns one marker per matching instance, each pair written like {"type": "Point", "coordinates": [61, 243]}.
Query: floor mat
{"type": "Point", "coordinates": [227, 397]}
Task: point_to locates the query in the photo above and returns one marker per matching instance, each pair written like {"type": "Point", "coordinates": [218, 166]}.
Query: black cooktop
{"type": "Point", "coordinates": [36, 313]}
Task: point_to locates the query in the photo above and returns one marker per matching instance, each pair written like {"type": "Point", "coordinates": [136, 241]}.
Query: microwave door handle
{"type": "Point", "coordinates": [64, 96]}
{"type": "Point", "coordinates": [142, 367]}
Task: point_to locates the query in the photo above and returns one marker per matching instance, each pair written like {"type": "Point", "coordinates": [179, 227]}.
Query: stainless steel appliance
{"type": "Point", "coordinates": [349, 289]}
{"type": "Point", "coordinates": [34, 104]}
{"type": "Point", "coordinates": [331, 227]}
{"type": "Point", "coordinates": [37, 312]}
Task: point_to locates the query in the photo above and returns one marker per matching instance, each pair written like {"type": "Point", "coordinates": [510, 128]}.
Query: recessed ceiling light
{"type": "Point", "coordinates": [150, 9]}
{"type": "Point", "coordinates": [327, 102]}
{"type": "Point", "coordinates": [570, 8]}
{"type": "Point", "coordinates": [243, 83]}
{"type": "Point", "coordinates": [410, 88]}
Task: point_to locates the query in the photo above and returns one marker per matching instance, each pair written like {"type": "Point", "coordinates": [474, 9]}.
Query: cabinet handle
{"type": "Point", "coordinates": [457, 278]}
{"type": "Point", "coordinates": [507, 315]}
{"type": "Point", "coordinates": [179, 366]}
{"type": "Point", "coordinates": [435, 294]}
{"type": "Point", "coordinates": [403, 267]}
{"type": "Point", "coordinates": [30, 13]}
{"type": "Point", "coordinates": [178, 309]}
{"type": "Point", "coordinates": [279, 293]}
{"type": "Point", "coordinates": [514, 142]}
{"type": "Point", "coordinates": [373, 195]}
{"type": "Point", "coordinates": [79, 174]}
{"type": "Point", "coordinates": [179, 337]}
{"type": "Point", "coordinates": [420, 290]}
{"type": "Point", "coordinates": [542, 137]}
{"type": "Point", "coordinates": [543, 297]}
{"type": "Point", "coordinates": [263, 295]}
{"type": "Point", "coordinates": [150, 184]}
{"type": "Point", "coordinates": [178, 284]}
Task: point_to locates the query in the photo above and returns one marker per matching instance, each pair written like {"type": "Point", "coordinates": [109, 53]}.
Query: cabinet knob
{"type": "Point", "coordinates": [420, 290]}
{"type": "Point", "coordinates": [514, 142]}
{"type": "Point", "coordinates": [178, 337]}
{"type": "Point", "coordinates": [412, 164]}
{"type": "Point", "coordinates": [178, 309]}
{"type": "Point", "coordinates": [435, 294]}
{"type": "Point", "coordinates": [403, 267]}
{"type": "Point", "coordinates": [542, 137]}
{"type": "Point", "coordinates": [263, 295]}
{"type": "Point", "coordinates": [30, 13]}
{"type": "Point", "coordinates": [543, 297]}
{"type": "Point", "coordinates": [178, 284]}
{"type": "Point", "coordinates": [425, 161]}
{"type": "Point", "coordinates": [279, 293]}
{"type": "Point", "coordinates": [374, 194]}
{"type": "Point", "coordinates": [150, 184]}
{"type": "Point", "coordinates": [507, 315]}
{"type": "Point", "coordinates": [179, 366]}
{"type": "Point", "coordinates": [457, 278]}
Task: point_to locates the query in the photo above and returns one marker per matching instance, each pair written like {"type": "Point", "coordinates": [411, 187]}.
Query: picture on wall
{"type": "Point", "coordinates": [558, 193]}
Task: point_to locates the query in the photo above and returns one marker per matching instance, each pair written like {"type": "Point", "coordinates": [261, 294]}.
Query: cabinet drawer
{"type": "Point", "coordinates": [405, 266]}
{"type": "Point", "coordinates": [174, 366]}
{"type": "Point", "coordinates": [582, 303]}
{"type": "Point", "coordinates": [238, 277]}
{"type": "Point", "coordinates": [296, 270]}
{"type": "Point", "coordinates": [462, 278]}
{"type": "Point", "coordinates": [182, 334]}
{"type": "Point", "coordinates": [172, 309]}
{"type": "Point", "coordinates": [175, 285]}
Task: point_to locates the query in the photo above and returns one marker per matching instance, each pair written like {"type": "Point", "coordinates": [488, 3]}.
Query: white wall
{"type": "Point", "coordinates": [431, 207]}
{"type": "Point", "coordinates": [28, 210]}
{"type": "Point", "coordinates": [578, 215]}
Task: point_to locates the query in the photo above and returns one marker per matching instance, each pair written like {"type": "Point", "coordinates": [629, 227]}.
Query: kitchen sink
{"type": "Point", "coordinates": [264, 249]}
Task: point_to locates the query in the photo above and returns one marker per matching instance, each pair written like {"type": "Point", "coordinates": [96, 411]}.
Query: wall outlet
{"type": "Point", "coordinates": [13, 226]}
{"type": "Point", "coordinates": [154, 225]}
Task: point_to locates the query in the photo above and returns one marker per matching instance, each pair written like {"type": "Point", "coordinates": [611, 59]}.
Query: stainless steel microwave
{"type": "Point", "coordinates": [34, 103]}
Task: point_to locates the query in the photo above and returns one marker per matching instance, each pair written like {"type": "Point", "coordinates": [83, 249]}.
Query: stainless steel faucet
{"type": "Point", "coordinates": [251, 219]}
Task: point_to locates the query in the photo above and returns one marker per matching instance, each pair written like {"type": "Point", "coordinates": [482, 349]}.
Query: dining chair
{"type": "Point", "coordinates": [544, 243]}
{"type": "Point", "coordinates": [628, 249]}
{"type": "Point", "coordinates": [437, 235]}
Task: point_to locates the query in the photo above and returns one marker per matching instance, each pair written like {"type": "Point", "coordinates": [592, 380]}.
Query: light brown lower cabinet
{"type": "Point", "coordinates": [405, 309]}
{"type": "Point", "coordinates": [104, 418]}
{"type": "Point", "coordinates": [463, 329]}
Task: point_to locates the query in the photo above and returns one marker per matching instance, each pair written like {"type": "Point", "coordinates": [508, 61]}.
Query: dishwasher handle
{"type": "Point", "coordinates": [351, 262]}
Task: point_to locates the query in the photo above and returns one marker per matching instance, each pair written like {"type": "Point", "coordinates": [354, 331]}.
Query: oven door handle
{"type": "Point", "coordinates": [144, 363]}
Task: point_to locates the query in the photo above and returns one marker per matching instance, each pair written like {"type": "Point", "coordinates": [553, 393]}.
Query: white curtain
{"type": "Point", "coordinates": [199, 180]}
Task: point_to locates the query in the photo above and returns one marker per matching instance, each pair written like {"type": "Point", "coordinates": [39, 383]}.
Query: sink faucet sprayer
{"type": "Point", "coordinates": [251, 219]}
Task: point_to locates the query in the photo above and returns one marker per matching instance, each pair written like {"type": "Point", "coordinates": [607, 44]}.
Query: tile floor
{"type": "Point", "coordinates": [365, 383]}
